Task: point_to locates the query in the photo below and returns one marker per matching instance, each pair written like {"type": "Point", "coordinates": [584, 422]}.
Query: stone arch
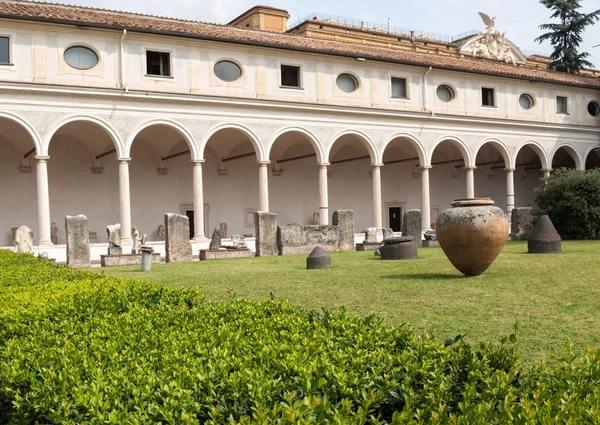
{"type": "Point", "coordinates": [114, 136]}
{"type": "Point", "coordinates": [570, 149]}
{"type": "Point", "coordinates": [35, 137]}
{"type": "Point", "coordinates": [500, 147]}
{"type": "Point", "coordinates": [459, 144]}
{"type": "Point", "coordinates": [366, 141]}
{"type": "Point", "coordinates": [413, 141]}
{"type": "Point", "coordinates": [252, 137]}
{"type": "Point", "coordinates": [314, 141]}
{"type": "Point", "coordinates": [538, 149]}
{"type": "Point", "coordinates": [589, 152]}
{"type": "Point", "coordinates": [183, 132]}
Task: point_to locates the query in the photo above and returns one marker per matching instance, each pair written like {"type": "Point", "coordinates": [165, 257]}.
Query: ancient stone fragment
{"type": "Point", "coordinates": [266, 234]}
{"type": "Point", "coordinates": [411, 225]}
{"type": "Point", "coordinates": [177, 238]}
{"type": "Point", "coordinates": [215, 242]}
{"type": "Point", "coordinates": [318, 259]}
{"type": "Point", "coordinates": [345, 220]}
{"type": "Point", "coordinates": [544, 238]}
{"type": "Point", "coordinates": [403, 248]}
{"type": "Point", "coordinates": [521, 223]}
{"type": "Point", "coordinates": [370, 235]}
{"type": "Point", "coordinates": [387, 233]}
{"type": "Point", "coordinates": [78, 241]}
{"type": "Point", "coordinates": [24, 240]}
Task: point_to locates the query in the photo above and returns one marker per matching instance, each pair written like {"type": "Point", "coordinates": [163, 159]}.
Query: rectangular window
{"type": "Point", "coordinates": [290, 76]}
{"type": "Point", "coordinates": [4, 55]}
{"type": "Point", "coordinates": [487, 97]}
{"type": "Point", "coordinates": [158, 63]}
{"type": "Point", "coordinates": [561, 105]}
{"type": "Point", "coordinates": [399, 88]}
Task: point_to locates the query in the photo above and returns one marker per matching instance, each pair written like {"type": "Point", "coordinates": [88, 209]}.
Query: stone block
{"type": "Point", "coordinates": [344, 219]}
{"type": "Point", "coordinates": [224, 254]}
{"type": "Point", "coordinates": [78, 241]}
{"type": "Point", "coordinates": [387, 233]}
{"type": "Point", "coordinates": [521, 223]}
{"type": "Point", "coordinates": [403, 248]}
{"type": "Point", "coordinates": [266, 234]}
{"type": "Point", "coordinates": [368, 246]}
{"type": "Point", "coordinates": [23, 240]}
{"type": "Point", "coordinates": [411, 225]}
{"type": "Point", "coordinates": [544, 238]}
{"type": "Point", "coordinates": [304, 239]}
{"type": "Point", "coordinates": [318, 259]}
{"type": "Point", "coordinates": [370, 234]}
{"type": "Point", "coordinates": [126, 259]}
{"type": "Point", "coordinates": [177, 238]}
{"type": "Point", "coordinates": [428, 243]}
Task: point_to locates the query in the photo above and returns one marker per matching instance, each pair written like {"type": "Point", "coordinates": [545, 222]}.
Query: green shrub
{"type": "Point", "coordinates": [571, 199]}
{"type": "Point", "coordinates": [82, 348]}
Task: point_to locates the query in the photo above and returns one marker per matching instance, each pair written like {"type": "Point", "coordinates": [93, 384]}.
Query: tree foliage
{"type": "Point", "coordinates": [566, 35]}
{"type": "Point", "coordinates": [571, 199]}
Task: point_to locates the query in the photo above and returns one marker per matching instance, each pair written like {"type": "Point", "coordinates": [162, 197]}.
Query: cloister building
{"type": "Point", "coordinates": [124, 117]}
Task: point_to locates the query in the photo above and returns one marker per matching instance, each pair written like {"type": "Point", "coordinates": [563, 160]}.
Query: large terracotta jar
{"type": "Point", "coordinates": [472, 234]}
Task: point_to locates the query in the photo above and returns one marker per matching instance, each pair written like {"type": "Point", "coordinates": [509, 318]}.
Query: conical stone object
{"type": "Point", "coordinates": [544, 238]}
{"type": "Point", "coordinates": [318, 259]}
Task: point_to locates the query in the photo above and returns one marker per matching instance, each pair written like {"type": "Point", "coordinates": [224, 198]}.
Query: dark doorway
{"type": "Point", "coordinates": [190, 215]}
{"type": "Point", "coordinates": [395, 218]}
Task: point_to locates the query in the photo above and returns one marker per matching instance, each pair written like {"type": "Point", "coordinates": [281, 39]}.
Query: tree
{"type": "Point", "coordinates": [566, 35]}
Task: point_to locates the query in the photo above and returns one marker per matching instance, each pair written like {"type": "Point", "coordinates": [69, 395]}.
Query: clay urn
{"type": "Point", "coordinates": [472, 234]}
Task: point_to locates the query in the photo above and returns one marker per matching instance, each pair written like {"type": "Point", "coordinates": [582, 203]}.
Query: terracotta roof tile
{"type": "Point", "coordinates": [77, 15]}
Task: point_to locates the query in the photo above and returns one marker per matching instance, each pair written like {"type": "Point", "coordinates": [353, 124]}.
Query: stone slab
{"type": "Point", "coordinates": [368, 246]}
{"type": "Point", "coordinates": [521, 223]}
{"type": "Point", "coordinates": [126, 259]}
{"type": "Point", "coordinates": [411, 225]}
{"type": "Point", "coordinates": [265, 224]}
{"type": "Point", "coordinates": [304, 239]}
{"type": "Point", "coordinates": [344, 219]}
{"type": "Point", "coordinates": [177, 238]}
{"type": "Point", "coordinates": [224, 254]}
{"type": "Point", "coordinates": [78, 241]}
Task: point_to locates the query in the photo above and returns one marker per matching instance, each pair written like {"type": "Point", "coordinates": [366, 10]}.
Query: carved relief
{"type": "Point", "coordinates": [491, 44]}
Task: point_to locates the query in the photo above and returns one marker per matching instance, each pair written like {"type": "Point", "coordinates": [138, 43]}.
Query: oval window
{"type": "Point", "coordinates": [80, 57]}
{"type": "Point", "coordinates": [346, 83]}
{"type": "Point", "coordinates": [445, 93]}
{"type": "Point", "coordinates": [594, 109]}
{"type": "Point", "coordinates": [227, 71]}
{"type": "Point", "coordinates": [526, 101]}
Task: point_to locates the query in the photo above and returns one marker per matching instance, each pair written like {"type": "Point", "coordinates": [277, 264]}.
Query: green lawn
{"type": "Point", "coordinates": [553, 297]}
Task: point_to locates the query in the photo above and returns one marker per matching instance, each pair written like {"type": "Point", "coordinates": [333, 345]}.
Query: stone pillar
{"type": "Point", "coordinates": [266, 234]}
{"type": "Point", "coordinates": [323, 195]}
{"type": "Point", "coordinates": [470, 181]}
{"type": "Point", "coordinates": [198, 201]}
{"type": "Point", "coordinates": [425, 201]}
{"type": "Point", "coordinates": [510, 191]}
{"type": "Point", "coordinates": [263, 186]}
{"type": "Point", "coordinates": [43, 202]}
{"type": "Point", "coordinates": [547, 172]}
{"type": "Point", "coordinates": [124, 201]}
{"type": "Point", "coordinates": [377, 222]}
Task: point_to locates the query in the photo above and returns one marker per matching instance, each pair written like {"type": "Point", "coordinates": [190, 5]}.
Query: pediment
{"type": "Point", "coordinates": [494, 46]}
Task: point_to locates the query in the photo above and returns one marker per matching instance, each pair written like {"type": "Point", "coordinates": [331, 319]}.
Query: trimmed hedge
{"type": "Point", "coordinates": [571, 199]}
{"type": "Point", "coordinates": [78, 347]}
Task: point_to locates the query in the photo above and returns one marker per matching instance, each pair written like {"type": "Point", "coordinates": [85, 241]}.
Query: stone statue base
{"type": "Point", "coordinates": [223, 254]}
{"type": "Point", "coordinates": [126, 259]}
{"type": "Point", "coordinates": [115, 250]}
{"type": "Point", "coordinates": [368, 246]}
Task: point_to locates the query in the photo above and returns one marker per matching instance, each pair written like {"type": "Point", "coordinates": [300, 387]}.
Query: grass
{"type": "Point", "coordinates": [553, 297]}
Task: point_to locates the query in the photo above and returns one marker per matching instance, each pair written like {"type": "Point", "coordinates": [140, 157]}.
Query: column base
{"type": "Point", "coordinates": [126, 241]}
{"type": "Point", "coordinates": [202, 238]}
{"type": "Point", "coordinates": [45, 244]}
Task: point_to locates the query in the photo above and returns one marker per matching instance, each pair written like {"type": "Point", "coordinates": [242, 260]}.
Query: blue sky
{"type": "Point", "coordinates": [450, 17]}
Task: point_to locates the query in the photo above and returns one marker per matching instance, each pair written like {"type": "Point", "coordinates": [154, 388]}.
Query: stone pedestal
{"type": "Point", "coordinates": [403, 248]}
{"type": "Point", "coordinates": [521, 223]}
{"type": "Point", "coordinates": [177, 238]}
{"type": "Point", "coordinates": [126, 259]}
{"type": "Point", "coordinates": [318, 259]}
{"type": "Point", "coordinates": [411, 225]}
{"type": "Point", "coordinates": [345, 220]}
{"type": "Point", "coordinates": [78, 241]}
{"type": "Point", "coordinates": [147, 257]}
{"type": "Point", "coordinates": [224, 254]}
{"type": "Point", "coordinates": [266, 234]}
{"type": "Point", "coordinates": [544, 238]}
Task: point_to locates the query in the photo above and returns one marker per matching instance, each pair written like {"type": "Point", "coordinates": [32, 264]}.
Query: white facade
{"type": "Point", "coordinates": [69, 121]}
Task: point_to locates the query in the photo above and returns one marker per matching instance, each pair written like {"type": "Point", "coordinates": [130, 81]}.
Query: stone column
{"type": "Point", "coordinates": [198, 201]}
{"type": "Point", "coordinates": [263, 186]}
{"type": "Point", "coordinates": [377, 196]}
{"type": "Point", "coordinates": [425, 201]}
{"type": "Point", "coordinates": [510, 191]}
{"type": "Point", "coordinates": [470, 181]}
{"type": "Point", "coordinates": [323, 195]}
{"type": "Point", "coordinates": [43, 202]}
{"type": "Point", "coordinates": [124, 201]}
{"type": "Point", "coordinates": [547, 172]}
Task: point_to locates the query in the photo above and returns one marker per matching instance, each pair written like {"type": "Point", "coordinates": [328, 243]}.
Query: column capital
{"type": "Point", "coordinates": [263, 163]}
{"type": "Point", "coordinates": [376, 165]}
{"type": "Point", "coordinates": [469, 167]}
{"type": "Point", "coordinates": [509, 170]}
{"type": "Point", "coordinates": [124, 160]}
{"type": "Point", "coordinates": [197, 161]}
{"type": "Point", "coordinates": [42, 157]}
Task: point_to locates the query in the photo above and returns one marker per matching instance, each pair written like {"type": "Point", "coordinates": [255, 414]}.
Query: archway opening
{"type": "Point", "coordinates": [350, 184]}
{"type": "Point", "coordinates": [528, 172]}
{"type": "Point", "coordinates": [17, 180]}
{"type": "Point", "coordinates": [400, 181]}
{"type": "Point", "coordinates": [83, 177]}
{"type": "Point", "coordinates": [294, 179]}
{"type": "Point", "coordinates": [490, 175]}
{"type": "Point", "coordinates": [563, 158]}
{"type": "Point", "coordinates": [230, 176]}
{"type": "Point", "coordinates": [447, 176]}
{"type": "Point", "coordinates": [593, 159]}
